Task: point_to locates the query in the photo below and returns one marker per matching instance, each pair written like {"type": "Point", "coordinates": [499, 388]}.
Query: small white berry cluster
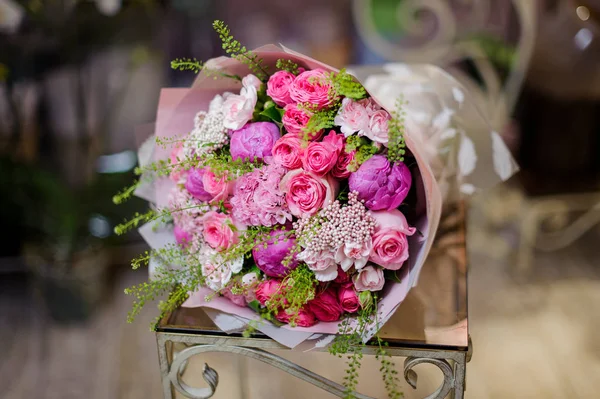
{"type": "Point", "coordinates": [336, 225]}
{"type": "Point", "coordinates": [209, 134]}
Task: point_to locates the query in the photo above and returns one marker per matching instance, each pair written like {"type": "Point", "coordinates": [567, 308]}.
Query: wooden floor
{"type": "Point", "coordinates": [534, 339]}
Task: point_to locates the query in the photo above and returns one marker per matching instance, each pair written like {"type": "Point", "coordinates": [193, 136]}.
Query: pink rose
{"type": "Point", "coordinates": [307, 193]}
{"type": "Point", "coordinates": [352, 117]}
{"type": "Point", "coordinates": [390, 246]}
{"type": "Point", "coordinates": [326, 306]}
{"type": "Point", "coordinates": [219, 231]}
{"type": "Point", "coordinates": [295, 119]}
{"type": "Point", "coordinates": [342, 277]}
{"type": "Point", "coordinates": [219, 187]}
{"type": "Point", "coordinates": [266, 290]}
{"type": "Point", "coordinates": [178, 173]}
{"type": "Point", "coordinates": [278, 87]}
{"type": "Point", "coordinates": [369, 278]}
{"type": "Point", "coordinates": [304, 317]}
{"type": "Point", "coordinates": [340, 169]}
{"type": "Point", "coordinates": [348, 298]}
{"type": "Point", "coordinates": [319, 157]}
{"type": "Point", "coordinates": [312, 87]}
{"type": "Point", "coordinates": [239, 108]}
{"type": "Point", "coordinates": [378, 127]}
{"type": "Point", "coordinates": [337, 140]}
{"type": "Point", "coordinates": [288, 151]}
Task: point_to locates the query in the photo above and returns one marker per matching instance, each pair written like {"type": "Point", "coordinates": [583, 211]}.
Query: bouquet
{"type": "Point", "coordinates": [284, 195]}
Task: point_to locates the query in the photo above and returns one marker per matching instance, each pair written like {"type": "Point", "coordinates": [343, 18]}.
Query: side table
{"type": "Point", "coordinates": [430, 326]}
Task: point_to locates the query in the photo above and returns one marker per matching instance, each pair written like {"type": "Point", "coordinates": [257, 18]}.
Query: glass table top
{"type": "Point", "coordinates": [433, 315]}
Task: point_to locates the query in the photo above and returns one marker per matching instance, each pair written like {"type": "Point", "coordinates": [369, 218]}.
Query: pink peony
{"type": "Point", "coordinates": [326, 306]}
{"type": "Point", "coordinates": [340, 169]}
{"type": "Point", "coordinates": [307, 193]}
{"type": "Point", "coordinates": [270, 259]}
{"type": "Point", "coordinates": [258, 199]}
{"type": "Point", "coordinates": [319, 157]}
{"type": "Point", "coordinates": [178, 174]}
{"type": "Point", "coordinates": [304, 317]}
{"type": "Point", "coordinates": [288, 151]}
{"type": "Point", "coordinates": [194, 184]}
{"type": "Point", "coordinates": [348, 298]}
{"type": "Point", "coordinates": [369, 278]}
{"type": "Point", "coordinates": [254, 141]}
{"type": "Point", "coordinates": [352, 117]}
{"type": "Point", "coordinates": [381, 185]}
{"type": "Point", "coordinates": [266, 290]}
{"type": "Point", "coordinates": [278, 87]}
{"type": "Point", "coordinates": [238, 109]}
{"type": "Point", "coordinates": [390, 246]}
{"type": "Point", "coordinates": [219, 231]}
{"type": "Point", "coordinates": [218, 187]}
{"type": "Point", "coordinates": [378, 127]}
{"type": "Point", "coordinates": [312, 87]}
{"type": "Point", "coordinates": [182, 237]}
{"type": "Point", "coordinates": [353, 254]}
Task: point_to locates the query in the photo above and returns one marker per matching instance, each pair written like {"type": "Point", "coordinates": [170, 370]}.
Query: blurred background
{"type": "Point", "coordinates": [77, 78]}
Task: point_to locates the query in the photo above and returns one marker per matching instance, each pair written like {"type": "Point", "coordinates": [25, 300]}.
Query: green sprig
{"type": "Point", "coordinates": [396, 130]}
{"type": "Point", "coordinates": [287, 65]}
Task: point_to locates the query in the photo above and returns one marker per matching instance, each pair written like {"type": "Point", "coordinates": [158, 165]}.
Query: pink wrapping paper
{"type": "Point", "coordinates": [175, 116]}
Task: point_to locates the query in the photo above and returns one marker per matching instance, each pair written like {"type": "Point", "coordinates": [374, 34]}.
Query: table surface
{"type": "Point", "coordinates": [433, 315]}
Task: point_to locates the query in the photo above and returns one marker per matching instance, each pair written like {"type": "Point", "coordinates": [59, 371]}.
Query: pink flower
{"type": "Point", "coordinates": [370, 105]}
{"type": "Point", "coordinates": [269, 258]}
{"type": "Point", "coordinates": [288, 151]}
{"type": "Point", "coordinates": [353, 254]}
{"type": "Point", "coordinates": [312, 87]}
{"type": "Point", "coordinates": [237, 299]}
{"type": "Point", "coordinates": [194, 184]}
{"type": "Point", "coordinates": [340, 169]}
{"type": "Point", "coordinates": [348, 298]}
{"type": "Point", "coordinates": [218, 187]}
{"type": "Point", "coordinates": [278, 87]}
{"type": "Point", "coordinates": [337, 140]}
{"type": "Point", "coordinates": [378, 127]}
{"type": "Point", "coordinates": [218, 276]}
{"type": "Point", "coordinates": [321, 263]}
{"type": "Point", "coordinates": [219, 231]}
{"type": "Point", "coordinates": [307, 193]}
{"type": "Point", "coordinates": [326, 306]}
{"type": "Point", "coordinates": [182, 237]}
{"type": "Point", "coordinates": [295, 119]}
{"type": "Point", "coordinates": [249, 282]}
{"type": "Point", "coordinates": [352, 117]}
{"type": "Point", "coordinates": [342, 277]}
{"type": "Point", "coordinates": [239, 108]}
{"type": "Point", "coordinates": [320, 157]}
{"type": "Point", "coordinates": [266, 290]}
{"type": "Point", "coordinates": [369, 278]}
{"type": "Point", "coordinates": [254, 141]}
{"type": "Point", "coordinates": [258, 199]}
{"type": "Point", "coordinates": [304, 317]}
{"type": "Point", "coordinates": [390, 246]}
{"type": "Point", "coordinates": [177, 173]}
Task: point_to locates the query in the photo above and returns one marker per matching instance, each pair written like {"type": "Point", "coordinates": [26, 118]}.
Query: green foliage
{"type": "Point", "coordinates": [396, 144]}
{"type": "Point", "coordinates": [295, 291]}
{"type": "Point", "coordinates": [320, 120]}
{"type": "Point", "coordinates": [135, 221]}
{"type": "Point", "coordinates": [187, 64]}
{"type": "Point", "coordinates": [346, 85]}
{"type": "Point", "coordinates": [287, 65]}
{"type": "Point", "coordinates": [389, 374]}
{"type": "Point", "coordinates": [126, 193]}
{"type": "Point", "coordinates": [236, 50]}
{"type": "Point", "coordinates": [365, 152]}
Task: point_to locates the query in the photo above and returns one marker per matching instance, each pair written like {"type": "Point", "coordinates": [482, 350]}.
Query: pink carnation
{"type": "Point", "coordinates": [352, 117]}
{"type": "Point", "coordinates": [258, 200]}
{"type": "Point", "coordinates": [278, 87]}
{"type": "Point", "coordinates": [312, 87]}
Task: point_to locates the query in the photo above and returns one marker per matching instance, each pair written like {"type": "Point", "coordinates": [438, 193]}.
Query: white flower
{"type": "Point", "coordinates": [354, 253]}
{"type": "Point", "coordinates": [218, 274]}
{"type": "Point", "coordinates": [209, 132]}
{"type": "Point", "coordinates": [238, 109]}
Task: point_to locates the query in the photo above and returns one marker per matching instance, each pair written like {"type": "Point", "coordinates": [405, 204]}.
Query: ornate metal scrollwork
{"type": "Point", "coordinates": [411, 376]}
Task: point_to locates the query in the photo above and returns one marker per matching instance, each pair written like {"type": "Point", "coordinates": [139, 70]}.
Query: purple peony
{"type": "Point", "coordinates": [382, 186]}
{"type": "Point", "coordinates": [254, 140]}
{"type": "Point", "coordinates": [195, 186]}
{"type": "Point", "coordinates": [270, 259]}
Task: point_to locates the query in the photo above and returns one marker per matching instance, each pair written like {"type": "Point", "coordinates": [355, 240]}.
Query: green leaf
{"type": "Point", "coordinates": [255, 305]}
{"type": "Point", "coordinates": [273, 113]}
{"type": "Point", "coordinates": [392, 275]}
